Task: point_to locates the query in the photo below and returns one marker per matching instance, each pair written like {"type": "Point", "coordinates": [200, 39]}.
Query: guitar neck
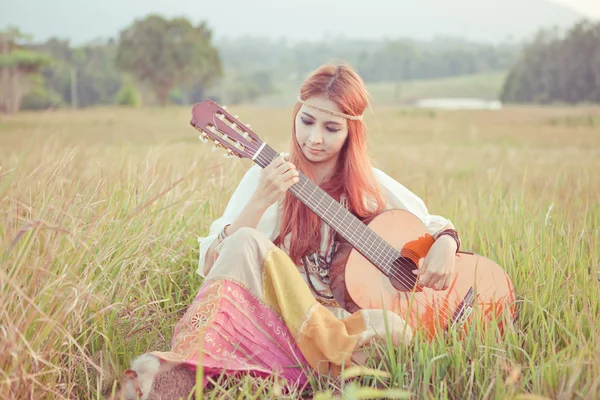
{"type": "Point", "coordinates": [359, 235]}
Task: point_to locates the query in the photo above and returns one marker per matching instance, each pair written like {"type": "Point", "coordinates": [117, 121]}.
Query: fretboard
{"type": "Point", "coordinates": [359, 235]}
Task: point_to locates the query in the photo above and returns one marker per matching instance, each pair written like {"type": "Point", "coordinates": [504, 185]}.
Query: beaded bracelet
{"type": "Point", "coordinates": [222, 235]}
{"type": "Point", "coordinates": [453, 234]}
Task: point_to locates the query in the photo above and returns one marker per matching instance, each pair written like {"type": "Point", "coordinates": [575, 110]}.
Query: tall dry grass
{"type": "Point", "coordinates": [100, 211]}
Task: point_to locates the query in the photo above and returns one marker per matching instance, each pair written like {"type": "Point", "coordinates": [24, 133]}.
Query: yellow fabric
{"type": "Point", "coordinates": [326, 342]}
{"type": "Point", "coordinates": [279, 275]}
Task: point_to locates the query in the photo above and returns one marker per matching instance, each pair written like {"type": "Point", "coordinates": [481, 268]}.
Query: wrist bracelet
{"type": "Point", "coordinates": [222, 235]}
{"type": "Point", "coordinates": [453, 234]}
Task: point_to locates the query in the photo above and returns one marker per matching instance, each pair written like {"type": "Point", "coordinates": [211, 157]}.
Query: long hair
{"type": "Point", "coordinates": [352, 177]}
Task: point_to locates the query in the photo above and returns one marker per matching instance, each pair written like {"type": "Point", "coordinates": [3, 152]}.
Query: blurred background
{"type": "Point", "coordinates": [487, 110]}
{"type": "Point", "coordinates": [431, 53]}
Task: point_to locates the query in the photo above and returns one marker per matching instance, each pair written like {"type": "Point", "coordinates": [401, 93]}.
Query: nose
{"type": "Point", "coordinates": [315, 136]}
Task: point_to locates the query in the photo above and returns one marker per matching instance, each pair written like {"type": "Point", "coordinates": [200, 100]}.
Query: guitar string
{"type": "Point", "coordinates": [378, 255]}
{"type": "Point", "coordinates": [265, 160]}
{"type": "Point", "coordinates": [382, 258]}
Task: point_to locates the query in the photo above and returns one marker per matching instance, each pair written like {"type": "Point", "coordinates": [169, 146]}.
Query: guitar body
{"type": "Point", "coordinates": [479, 286]}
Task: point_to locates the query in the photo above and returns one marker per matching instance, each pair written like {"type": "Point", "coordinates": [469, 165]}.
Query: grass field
{"type": "Point", "coordinates": [484, 86]}
{"type": "Point", "coordinates": [101, 208]}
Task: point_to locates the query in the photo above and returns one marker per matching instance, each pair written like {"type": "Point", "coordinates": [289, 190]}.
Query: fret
{"type": "Point", "coordinates": [368, 240]}
{"type": "Point", "coordinates": [327, 209]}
{"type": "Point", "coordinates": [341, 224]}
{"type": "Point", "coordinates": [304, 184]}
{"type": "Point", "coordinates": [313, 192]}
{"type": "Point", "coordinates": [320, 200]}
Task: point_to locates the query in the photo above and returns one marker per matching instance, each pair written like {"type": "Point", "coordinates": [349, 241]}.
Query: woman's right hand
{"type": "Point", "coordinates": [275, 179]}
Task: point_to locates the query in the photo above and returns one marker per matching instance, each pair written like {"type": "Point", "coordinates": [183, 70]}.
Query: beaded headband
{"type": "Point", "coordinates": [336, 113]}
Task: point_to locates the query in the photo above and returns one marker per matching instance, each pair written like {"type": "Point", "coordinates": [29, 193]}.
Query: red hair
{"type": "Point", "coordinates": [353, 175]}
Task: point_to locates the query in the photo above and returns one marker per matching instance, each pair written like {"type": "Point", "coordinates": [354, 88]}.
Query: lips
{"type": "Point", "coordinates": [313, 150]}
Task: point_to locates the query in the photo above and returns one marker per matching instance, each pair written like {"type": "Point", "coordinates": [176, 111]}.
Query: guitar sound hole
{"type": "Point", "coordinates": [402, 276]}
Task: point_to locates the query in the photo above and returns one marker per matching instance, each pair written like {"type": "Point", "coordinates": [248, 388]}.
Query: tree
{"type": "Point", "coordinates": [17, 65]}
{"type": "Point", "coordinates": [557, 68]}
{"type": "Point", "coordinates": [165, 53]}
{"type": "Point", "coordinates": [82, 76]}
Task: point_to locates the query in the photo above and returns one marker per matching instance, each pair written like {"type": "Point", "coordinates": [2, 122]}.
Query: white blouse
{"type": "Point", "coordinates": [396, 195]}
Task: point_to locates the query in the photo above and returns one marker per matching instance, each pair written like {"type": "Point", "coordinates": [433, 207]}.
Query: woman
{"type": "Point", "coordinates": [265, 307]}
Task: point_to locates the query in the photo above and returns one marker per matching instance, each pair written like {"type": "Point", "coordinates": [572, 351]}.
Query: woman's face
{"type": "Point", "coordinates": [320, 134]}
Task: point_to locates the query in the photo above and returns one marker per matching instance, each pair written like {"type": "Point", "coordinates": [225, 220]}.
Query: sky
{"type": "Point", "coordinates": [589, 8]}
{"type": "Point", "coordinates": [484, 20]}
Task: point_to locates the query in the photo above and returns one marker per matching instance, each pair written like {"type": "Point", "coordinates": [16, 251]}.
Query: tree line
{"type": "Point", "coordinates": [557, 68]}
{"type": "Point", "coordinates": [173, 61]}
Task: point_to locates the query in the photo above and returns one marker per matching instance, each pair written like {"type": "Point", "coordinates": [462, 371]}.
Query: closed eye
{"type": "Point", "coordinates": [306, 121]}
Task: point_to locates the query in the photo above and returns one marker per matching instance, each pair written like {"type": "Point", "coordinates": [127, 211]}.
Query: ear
{"type": "Point", "coordinates": [129, 374]}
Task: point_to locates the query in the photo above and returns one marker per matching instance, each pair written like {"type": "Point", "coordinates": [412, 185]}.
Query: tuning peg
{"type": "Point", "coordinates": [235, 116]}
{"type": "Point", "coordinates": [229, 154]}
{"type": "Point", "coordinates": [224, 107]}
{"type": "Point", "coordinates": [248, 125]}
{"type": "Point", "coordinates": [203, 138]}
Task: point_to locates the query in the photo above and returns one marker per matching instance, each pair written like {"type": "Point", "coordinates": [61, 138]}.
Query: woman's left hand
{"type": "Point", "coordinates": [438, 266]}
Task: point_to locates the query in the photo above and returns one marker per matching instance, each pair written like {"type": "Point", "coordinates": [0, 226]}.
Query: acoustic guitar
{"type": "Point", "coordinates": [372, 268]}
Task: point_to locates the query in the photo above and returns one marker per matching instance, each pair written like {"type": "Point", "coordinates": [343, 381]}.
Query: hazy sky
{"type": "Point", "coordinates": [84, 20]}
{"type": "Point", "coordinates": [587, 7]}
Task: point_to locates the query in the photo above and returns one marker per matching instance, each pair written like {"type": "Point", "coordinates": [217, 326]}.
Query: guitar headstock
{"type": "Point", "coordinates": [225, 130]}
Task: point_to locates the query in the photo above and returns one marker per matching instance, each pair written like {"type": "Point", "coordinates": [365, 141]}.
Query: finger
{"type": "Point", "coordinates": [276, 162]}
{"type": "Point", "coordinates": [425, 280]}
{"type": "Point", "coordinates": [422, 267]}
{"type": "Point", "coordinates": [290, 173]}
{"type": "Point", "coordinates": [447, 283]}
{"type": "Point", "coordinates": [434, 281]}
{"type": "Point", "coordinates": [291, 182]}
{"type": "Point", "coordinates": [286, 166]}
{"type": "Point", "coordinates": [273, 170]}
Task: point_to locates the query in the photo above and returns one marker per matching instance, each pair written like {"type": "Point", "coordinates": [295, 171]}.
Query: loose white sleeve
{"type": "Point", "coordinates": [400, 197]}
{"type": "Point", "coordinates": [238, 201]}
